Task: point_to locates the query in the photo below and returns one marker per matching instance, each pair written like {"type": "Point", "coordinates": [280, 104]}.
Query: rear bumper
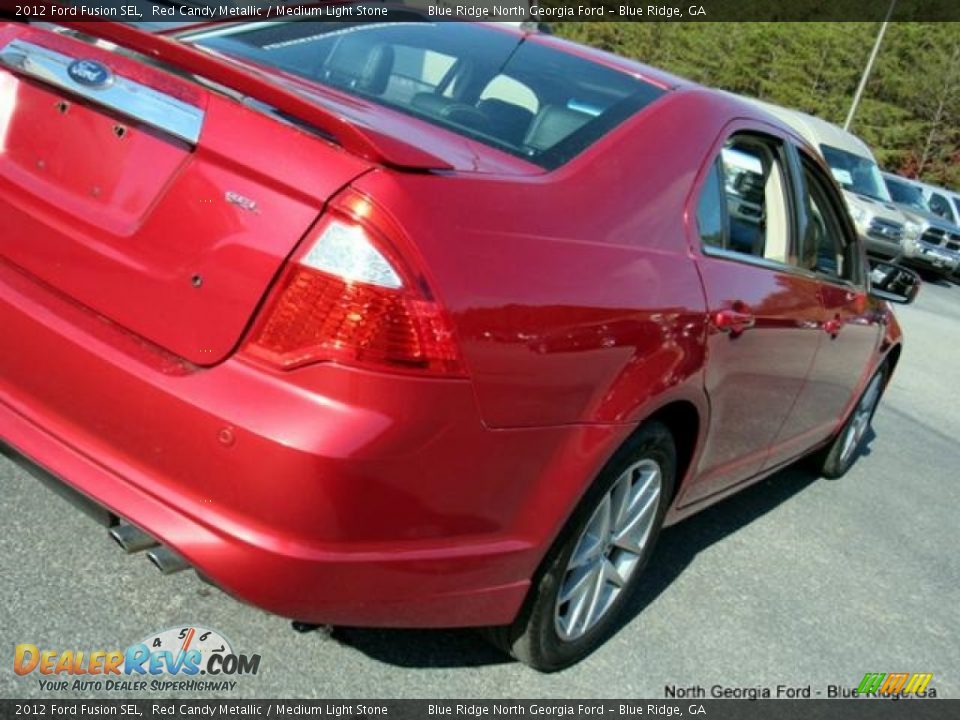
{"type": "Point", "coordinates": [343, 497]}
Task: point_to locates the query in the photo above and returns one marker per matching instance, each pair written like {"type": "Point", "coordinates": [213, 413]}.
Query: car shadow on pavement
{"type": "Point", "coordinates": [938, 280]}
{"type": "Point", "coordinates": [681, 543]}
{"type": "Point", "coordinates": [423, 648]}
{"type": "Point", "coordinates": [677, 548]}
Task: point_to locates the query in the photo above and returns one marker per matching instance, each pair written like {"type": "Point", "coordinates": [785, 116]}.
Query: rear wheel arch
{"type": "Point", "coordinates": [682, 419]}
{"type": "Point", "coordinates": [532, 636]}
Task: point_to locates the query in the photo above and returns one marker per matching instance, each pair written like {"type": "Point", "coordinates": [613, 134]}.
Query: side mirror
{"type": "Point", "coordinates": [894, 283]}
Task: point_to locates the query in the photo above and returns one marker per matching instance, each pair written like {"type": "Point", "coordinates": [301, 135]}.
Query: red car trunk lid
{"type": "Point", "coordinates": [165, 208]}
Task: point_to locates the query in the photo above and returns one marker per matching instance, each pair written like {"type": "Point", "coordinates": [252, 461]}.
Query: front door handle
{"type": "Point", "coordinates": [833, 327]}
{"type": "Point", "coordinates": [733, 321]}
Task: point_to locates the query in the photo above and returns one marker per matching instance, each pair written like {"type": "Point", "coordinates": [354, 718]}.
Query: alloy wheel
{"type": "Point", "coordinates": [609, 550]}
{"type": "Point", "coordinates": [860, 421]}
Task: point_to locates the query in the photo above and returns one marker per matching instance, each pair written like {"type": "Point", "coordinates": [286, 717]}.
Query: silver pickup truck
{"type": "Point", "coordinates": [931, 242]}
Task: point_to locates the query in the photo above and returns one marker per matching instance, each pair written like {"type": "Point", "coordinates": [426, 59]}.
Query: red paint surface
{"type": "Point", "coordinates": [580, 301]}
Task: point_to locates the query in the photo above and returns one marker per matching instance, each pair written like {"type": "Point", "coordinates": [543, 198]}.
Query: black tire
{"type": "Point", "coordinates": [533, 638]}
{"type": "Point", "coordinates": [832, 462]}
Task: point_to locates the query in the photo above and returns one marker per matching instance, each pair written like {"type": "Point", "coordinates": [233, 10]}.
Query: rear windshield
{"type": "Point", "coordinates": [533, 101]}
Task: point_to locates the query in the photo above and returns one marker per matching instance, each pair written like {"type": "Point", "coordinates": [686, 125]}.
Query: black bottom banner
{"type": "Point", "coordinates": [865, 709]}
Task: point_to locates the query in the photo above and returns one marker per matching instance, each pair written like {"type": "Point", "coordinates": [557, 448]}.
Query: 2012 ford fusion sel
{"type": "Point", "coordinates": [416, 324]}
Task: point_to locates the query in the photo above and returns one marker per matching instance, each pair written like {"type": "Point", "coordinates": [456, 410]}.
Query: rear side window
{"type": "Point", "coordinates": [939, 205]}
{"type": "Point", "coordinates": [743, 206]}
{"type": "Point", "coordinates": [905, 193]}
{"type": "Point", "coordinates": [826, 249]}
{"type": "Point", "coordinates": [711, 217]}
{"type": "Point", "coordinates": [505, 90]}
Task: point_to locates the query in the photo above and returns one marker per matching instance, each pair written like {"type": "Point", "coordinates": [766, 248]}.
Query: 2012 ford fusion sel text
{"type": "Point", "coordinates": [416, 324]}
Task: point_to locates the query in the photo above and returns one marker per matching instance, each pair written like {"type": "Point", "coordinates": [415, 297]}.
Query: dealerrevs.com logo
{"type": "Point", "coordinates": [188, 658]}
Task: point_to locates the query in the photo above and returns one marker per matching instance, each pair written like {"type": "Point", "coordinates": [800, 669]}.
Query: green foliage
{"type": "Point", "coordinates": [910, 112]}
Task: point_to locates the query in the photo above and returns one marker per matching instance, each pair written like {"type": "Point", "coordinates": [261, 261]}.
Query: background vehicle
{"type": "Point", "coordinates": [383, 325]}
{"type": "Point", "coordinates": [955, 201]}
{"type": "Point", "coordinates": [930, 242]}
{"type": "Point", "coordinates": [880, 224]}
{"type": "Point", "coordinates": [945, 204]}
{"type": "Point", "coordinates": [942, 202]}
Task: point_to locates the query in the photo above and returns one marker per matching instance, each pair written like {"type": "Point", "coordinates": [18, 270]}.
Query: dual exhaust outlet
{"type": "Point", "coordinates": [133, 540]}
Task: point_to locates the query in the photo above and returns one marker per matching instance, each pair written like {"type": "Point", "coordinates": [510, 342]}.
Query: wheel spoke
{"type": "Point", "coordinates": [581, 601]}
{"type": "Point", "coordinates": [612, 575]}
{"type": "Point", "coordinates": [603, 518]}
{"type": "Point", "coordinates": [596, 607]}
{"type": "Point", "coordinates": [620, 498]}
{"type": "Point", "coordinates": [591, 543]}
{"type": "Point", "coordinates": [576, 580]}
{"type": "Point", "coordinates": [650, 483]}
{"type": "Point", "coordinates": [633, 537]}
{"type": "Point", "coordinates": [587, 551]}
{"type": "Point", "coordinates": [647, 487]}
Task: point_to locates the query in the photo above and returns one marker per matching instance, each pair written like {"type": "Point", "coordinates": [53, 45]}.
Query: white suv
{"type": "Point", "coordinates": [879, 222]}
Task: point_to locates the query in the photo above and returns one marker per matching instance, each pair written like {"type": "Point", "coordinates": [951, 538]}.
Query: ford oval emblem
{"type": "Point", "coordinates": [90, 73]}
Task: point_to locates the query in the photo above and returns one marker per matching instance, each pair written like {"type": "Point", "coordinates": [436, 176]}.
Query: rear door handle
{"type": "Point", "coordinates": [733, 321]}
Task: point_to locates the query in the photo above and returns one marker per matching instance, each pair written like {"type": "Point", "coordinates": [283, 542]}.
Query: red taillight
{"type": "Point", "coordinates": [348, 298]}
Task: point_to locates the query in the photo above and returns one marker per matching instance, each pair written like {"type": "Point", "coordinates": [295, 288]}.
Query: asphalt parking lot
{"type": "Point", "coordinates": [797, 581]}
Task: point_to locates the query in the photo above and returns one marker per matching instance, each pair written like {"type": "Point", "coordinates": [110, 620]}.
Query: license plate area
{"type": "Point", "coordinates": [76, 156]}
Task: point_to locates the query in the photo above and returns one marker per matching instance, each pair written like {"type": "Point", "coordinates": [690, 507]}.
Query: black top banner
{"type": "Point", "coordinates": [534, 11]}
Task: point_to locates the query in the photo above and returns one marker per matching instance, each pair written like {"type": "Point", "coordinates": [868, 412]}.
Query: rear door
{"type": "Point", "coordinates": [160, 205]}
{"type": "Point", "coordinates": [850, 332]}
{"type": "Point", "coordinates": [764, 315]}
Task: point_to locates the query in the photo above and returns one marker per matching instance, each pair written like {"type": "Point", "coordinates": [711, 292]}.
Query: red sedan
{"type": "Point", "coordinates": [416, 324]}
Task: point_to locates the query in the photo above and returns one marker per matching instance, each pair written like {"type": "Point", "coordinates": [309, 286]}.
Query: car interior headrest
{"type": "Point", "coordinates": [552, 124]}
{"type": "Point", "coordinates": [431, 103]}
{"type": "Point", "coordinates": [356, 64]}
{"type": "Point", "coordinates": [508, 120]}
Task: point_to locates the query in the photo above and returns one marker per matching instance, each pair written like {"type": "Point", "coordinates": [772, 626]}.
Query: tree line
{"type": "Point", "coordinates": [910, 111]}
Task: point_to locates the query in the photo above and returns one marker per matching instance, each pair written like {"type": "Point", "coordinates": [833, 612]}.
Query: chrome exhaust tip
{"type": "Point", "coordinates": [131, 538]}
{"type": "Point", "coordinates": [166, 560]}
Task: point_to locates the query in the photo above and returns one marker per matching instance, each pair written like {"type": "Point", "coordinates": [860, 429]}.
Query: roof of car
{"type": "Point", "coordinates": [934, 188]}
{"type": "Point", "coordinates": [901, 178]}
